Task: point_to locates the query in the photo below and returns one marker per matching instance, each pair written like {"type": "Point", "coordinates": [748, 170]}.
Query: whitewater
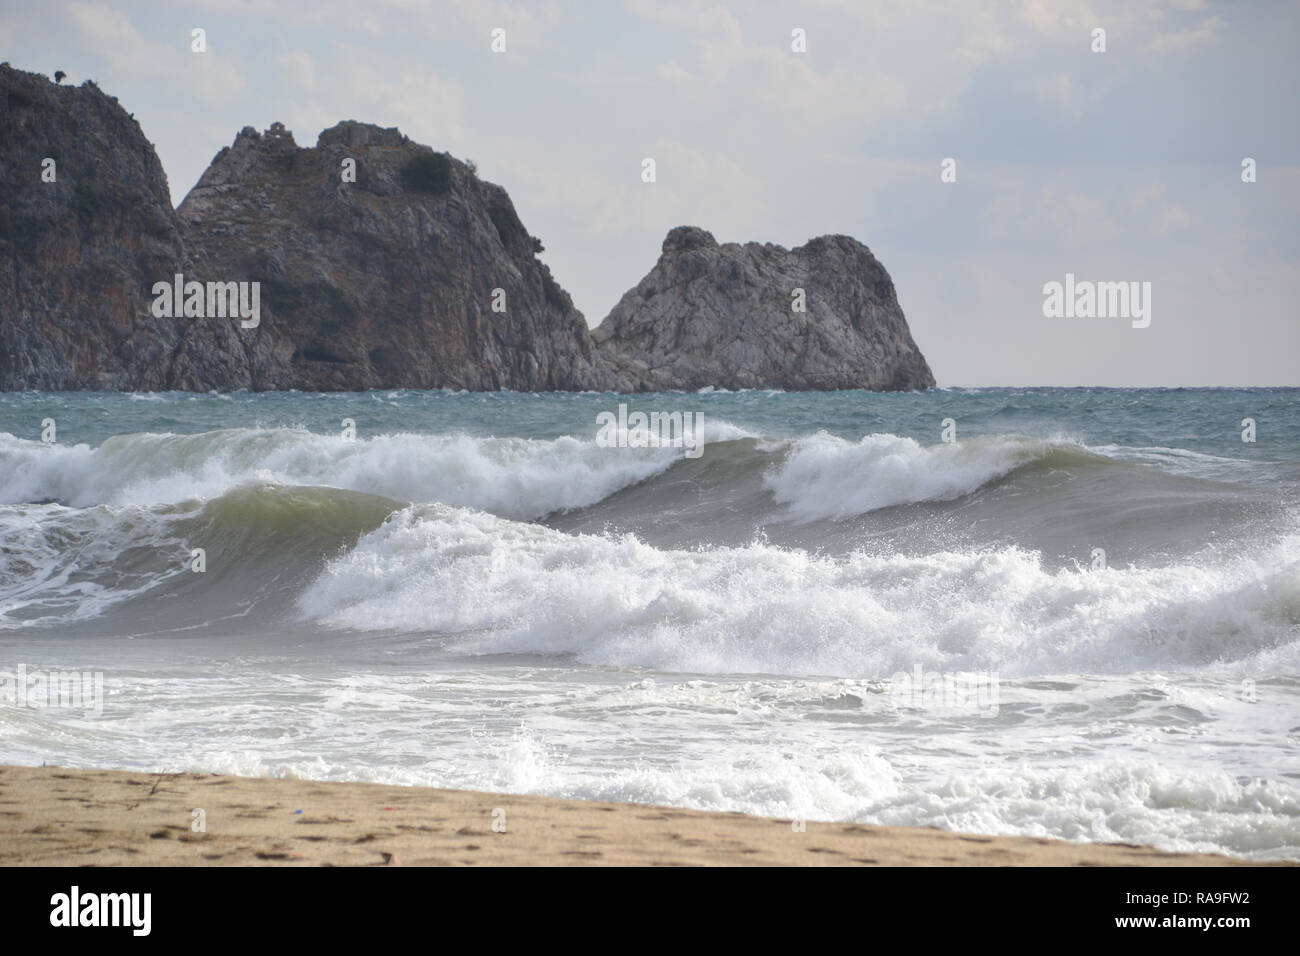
{"type": "Point", "coordinates": [469, 590]}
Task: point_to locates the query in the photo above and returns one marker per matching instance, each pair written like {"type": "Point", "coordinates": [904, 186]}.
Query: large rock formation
{"type": "Point", "coordinates": [383, 280]}
{"type": "Point", "coordinates": [387, 281]}
{"type": "Point", "coordinates": [724, 315]}
{"type": "Point", "coordinates": [81, 241]}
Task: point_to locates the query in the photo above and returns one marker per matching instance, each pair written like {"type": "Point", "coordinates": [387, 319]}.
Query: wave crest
{"type": "Point", "coordinates": [825, 477]}
{"type": "Point", "coordinates": [506, 587]}
{"type": "Point", "coordinates": [515, 477]}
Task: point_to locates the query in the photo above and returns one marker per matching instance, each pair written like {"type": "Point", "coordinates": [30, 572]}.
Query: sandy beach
{"type": "Point", "coordinates": [61, 817]}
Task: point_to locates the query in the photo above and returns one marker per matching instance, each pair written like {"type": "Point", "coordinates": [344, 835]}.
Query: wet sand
{"type": "Point", "coordinates": [54, 816]}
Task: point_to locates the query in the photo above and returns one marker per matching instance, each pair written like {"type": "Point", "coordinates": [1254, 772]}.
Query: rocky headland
{"type": "Point", "coordinates": [377, 262]}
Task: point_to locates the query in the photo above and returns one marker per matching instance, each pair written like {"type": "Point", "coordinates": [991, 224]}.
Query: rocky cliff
{"type": "Point", "coordinates": [377, 263]}
{"type": "Point", "coordinates": [86, 225]}
{"type": "Point", "coordinates": [821, 316]}
{"type": "Point", "coordinates": [418, 274]}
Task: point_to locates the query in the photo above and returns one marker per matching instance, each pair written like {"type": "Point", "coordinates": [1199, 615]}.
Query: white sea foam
{"type": "Point", "coordinates": [61, 565]}
{"type": "Point", "coordinates": [518, 477]}
{"type": "Point", "coordinates": [1125, 758]}
{"type": "Point", "coordinates": [826, 477]}
{"type": "Point", "coordinates": [504, 586]}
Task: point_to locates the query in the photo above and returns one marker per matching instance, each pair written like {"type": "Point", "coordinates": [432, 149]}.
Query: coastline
{"type": "Point", "coordinates": [52, 816]}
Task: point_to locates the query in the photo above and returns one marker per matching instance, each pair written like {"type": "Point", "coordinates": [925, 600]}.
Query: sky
{"type": "Point", "coordinates": [1115, 165]}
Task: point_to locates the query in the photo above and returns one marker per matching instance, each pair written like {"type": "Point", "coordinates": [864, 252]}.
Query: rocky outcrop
{"type": "Point", "coordinates": [418, 274]}
{"type": "Point", "coordinates": [388, 281]}
{"type": "Point", "coordinates": [728, 316]}
{"type": "Point", "coordinates": [86, 225]}
{"type": "Point", "coordinates": [379, 263]}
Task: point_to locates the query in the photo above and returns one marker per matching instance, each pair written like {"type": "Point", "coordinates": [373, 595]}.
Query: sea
{"type": "Point", "coordinates": [1067, 613]}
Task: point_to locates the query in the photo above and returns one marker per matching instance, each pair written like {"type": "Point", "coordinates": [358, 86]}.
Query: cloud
{"type": "Point", "coordinates": [1171, 218]}
{"type": "Point", "coordinates": [526, 24]}
{"type": "Point", "coordinates": [299, 67]}
{"type": "Point", "coordinates": [1062, 94]}
{"type": "Point", "coordinates": [110, 34]}
{"type": "Point", "coordinates": [213, 78]}
{"type": "Point", "coordinates": [1209, 31]}
{"type": "Point", "coordinates": [396, 91]}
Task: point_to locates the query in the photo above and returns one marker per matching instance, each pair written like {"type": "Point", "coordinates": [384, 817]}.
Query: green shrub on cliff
{"type": "Point", "coordinates": [427, 173]}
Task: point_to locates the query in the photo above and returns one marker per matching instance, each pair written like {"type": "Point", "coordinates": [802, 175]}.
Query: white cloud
{"type": "Point", "coordinates": [299, 67]}
{"type": "Point", "coordinates": [110, 34]}
{"type": "Point", "coordinates": [1171, 218]}
{"type": "Point", "coordinates": [1208, 31]}
{"type": "Point", "coordinates": [213, 78]}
